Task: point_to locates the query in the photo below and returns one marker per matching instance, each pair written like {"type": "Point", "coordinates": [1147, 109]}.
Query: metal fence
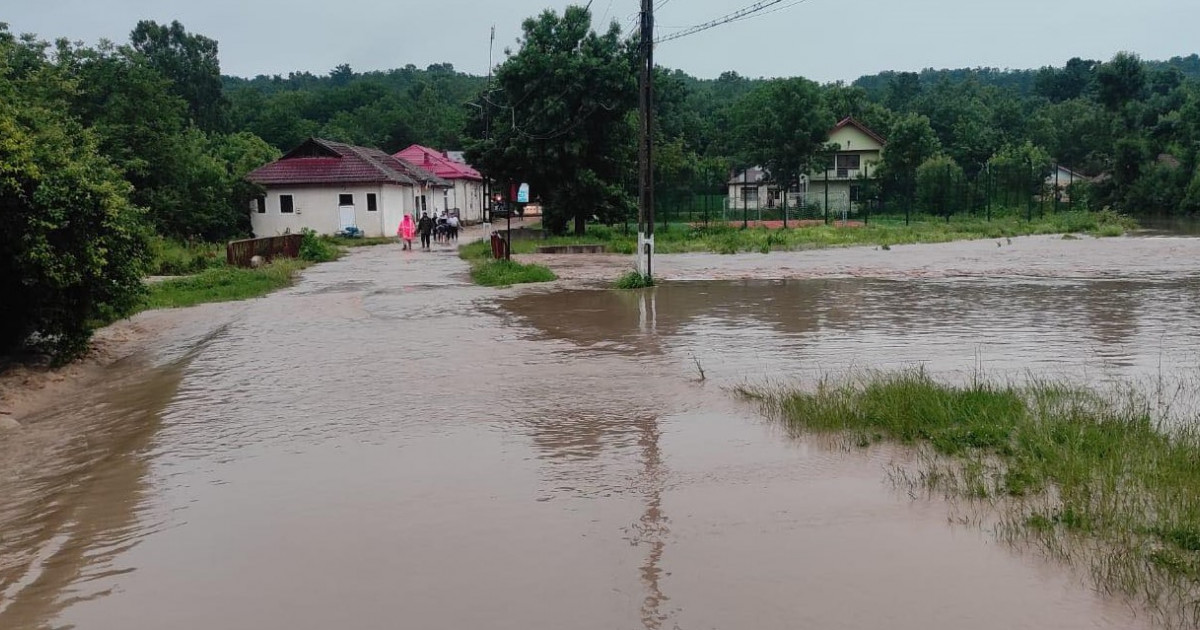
{"type": "Point", "coordinates": [1022, 190]}
{"type": "Point", "coordinates": [240, 253]}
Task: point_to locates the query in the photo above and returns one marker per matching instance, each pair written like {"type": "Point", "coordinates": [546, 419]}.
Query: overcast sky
{"type": "Point", "coordinates": [825, 40]}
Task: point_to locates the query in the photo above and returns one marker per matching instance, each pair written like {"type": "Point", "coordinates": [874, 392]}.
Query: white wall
{"type": "Point", "coordinates": [316, 208]}
{"type": "Point", "coordinates": [467, 196]}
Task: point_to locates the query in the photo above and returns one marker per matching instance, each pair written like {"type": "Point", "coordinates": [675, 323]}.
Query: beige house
{"type": "Point", "coordinates": [860, 151]}
{"type": "Point", "coordinates": [329, 186]}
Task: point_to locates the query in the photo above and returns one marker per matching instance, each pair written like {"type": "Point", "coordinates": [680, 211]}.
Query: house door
{"type": "Point", "coordinates": [346, 211]}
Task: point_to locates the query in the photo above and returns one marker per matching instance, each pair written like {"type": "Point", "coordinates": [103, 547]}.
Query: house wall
{"type": "Point", "coordinates": [316, 208]}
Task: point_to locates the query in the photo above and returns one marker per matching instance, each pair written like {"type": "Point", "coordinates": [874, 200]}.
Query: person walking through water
{"type": "Point", "coordinates": [425, 227]}
{"type": "Point", "coordinates": [406, 231]}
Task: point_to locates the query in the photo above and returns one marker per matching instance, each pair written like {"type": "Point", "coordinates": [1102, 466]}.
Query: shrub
{"type": "Point", "coordinates": [315, 249]}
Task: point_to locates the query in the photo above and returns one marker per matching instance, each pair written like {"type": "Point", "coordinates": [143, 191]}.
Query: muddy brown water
{"type": "Point", "coordinates": [386, 446]}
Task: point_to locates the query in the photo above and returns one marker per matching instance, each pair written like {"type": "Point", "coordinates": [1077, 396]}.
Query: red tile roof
{"type": "Point", "coordinates": [318, 161]}
{"type": "Point", "coordinates": [439, 163]}
{"type": "Point", "coordinates": [851, 122]}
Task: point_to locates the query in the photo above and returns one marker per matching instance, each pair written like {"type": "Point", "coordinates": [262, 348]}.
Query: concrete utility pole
{"type": "Point", "coordinates": [646, 149]}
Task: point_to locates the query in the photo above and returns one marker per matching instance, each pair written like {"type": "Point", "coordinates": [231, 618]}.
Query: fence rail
{"type": "Point", "coordinates": [240, 253]}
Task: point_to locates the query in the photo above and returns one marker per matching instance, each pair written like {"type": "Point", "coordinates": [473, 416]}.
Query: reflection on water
{"type": "Point", "coordinates": [753, 329]}
{"type": "Point", "coordinates": [85, 508]}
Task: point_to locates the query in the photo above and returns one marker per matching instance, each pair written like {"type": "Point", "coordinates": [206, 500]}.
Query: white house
{"type": "Point", "coordinates": [328, 186]}
{"type": "Point", "coordinates": [859, 153]}
{"type": "Point", "coordinates": [466, 191]}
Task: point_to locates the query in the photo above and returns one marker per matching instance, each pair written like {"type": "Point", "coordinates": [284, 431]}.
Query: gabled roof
{"type": "Point", "coordinates": [849, 121]}
{"type": "Point", "coordinates": [752, 175]}
{"type": "Point", "coordinates": [438, 163]}
{"type": "Point", "coordinates": [318, 161]}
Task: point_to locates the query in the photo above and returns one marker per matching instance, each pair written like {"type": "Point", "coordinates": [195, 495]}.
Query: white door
{"type": "Point", "coordinates": [345, 217]}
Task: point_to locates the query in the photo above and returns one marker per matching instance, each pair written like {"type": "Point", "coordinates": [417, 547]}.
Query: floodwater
{"type": "Point", "coordinates": [386, 446]}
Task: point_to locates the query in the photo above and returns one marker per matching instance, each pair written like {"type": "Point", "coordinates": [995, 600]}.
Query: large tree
{"type": "Point", "coordinates": [560, 118]}
{"type": "Point", "coordinates": [72, 246]}
{"type": "Point", "coordinates": [782, 126]}
{"type": "Point", "coordinates": [190, 62]}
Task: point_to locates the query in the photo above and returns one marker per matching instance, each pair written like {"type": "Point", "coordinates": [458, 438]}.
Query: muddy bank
{"type": "Point", "coordinates": [1024, 257]}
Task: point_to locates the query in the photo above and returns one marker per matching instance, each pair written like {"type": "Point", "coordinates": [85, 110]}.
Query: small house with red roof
{"type": "Point", "coordinates": [859, 152]}
{"type": "Point", "coordinates": [466, 191]}
{"type": "Point", "coordinates": [327, 186]}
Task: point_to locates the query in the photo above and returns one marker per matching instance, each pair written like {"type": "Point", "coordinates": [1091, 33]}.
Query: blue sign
{"type": "Point", "coordinates": [523, 194]}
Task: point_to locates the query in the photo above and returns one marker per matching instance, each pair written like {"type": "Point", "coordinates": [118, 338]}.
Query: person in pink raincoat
{"type": "Point", "coordinates": [407, 230]}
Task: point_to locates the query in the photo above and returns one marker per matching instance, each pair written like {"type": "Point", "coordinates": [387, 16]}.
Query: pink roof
{"type": "Point", "coordinates": [437, 163]}
{"type": "Point", "coordinates": [319, 161]}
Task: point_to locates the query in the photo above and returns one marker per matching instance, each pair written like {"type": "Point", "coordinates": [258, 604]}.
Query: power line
{"type": "Point", "coordinates": [741, 14]}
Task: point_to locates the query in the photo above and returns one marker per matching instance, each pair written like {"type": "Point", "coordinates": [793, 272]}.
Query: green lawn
{"type": "Point", "coordinates": [679, 238]}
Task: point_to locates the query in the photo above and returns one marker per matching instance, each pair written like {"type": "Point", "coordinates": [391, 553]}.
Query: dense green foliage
{"type": "Point", "coordinates": [99, 148]}
{"type": "Point", "coordinates": [72, 246]}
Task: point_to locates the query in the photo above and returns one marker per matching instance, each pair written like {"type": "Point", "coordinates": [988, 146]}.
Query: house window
{"type": "Point", "coordinates": [846, 163]}
{"type": "Point", "coordinates": [285, 204]}
{"type": "Point", "coordinates": [345, 199]}
{"type": "Point", "coordinates": [260, 205]}
{"type": "Point", "coordinates": [424, 207]}
{"type": "Point", "coordinates": [372, 203]}
{"type": "Point", "coordinates": [749, 194]}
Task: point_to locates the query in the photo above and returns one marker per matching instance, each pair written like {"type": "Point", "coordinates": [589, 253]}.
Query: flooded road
{"type": "Point", "coordinates": [386, 446]}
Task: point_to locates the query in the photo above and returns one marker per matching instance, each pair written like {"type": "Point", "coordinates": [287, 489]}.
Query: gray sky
{"type": "Point", "coordinates": [825, 40]}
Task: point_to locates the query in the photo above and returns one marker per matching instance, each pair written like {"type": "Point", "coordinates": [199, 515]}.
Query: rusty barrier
{"type": "Point", "coordinates": [239, 253]}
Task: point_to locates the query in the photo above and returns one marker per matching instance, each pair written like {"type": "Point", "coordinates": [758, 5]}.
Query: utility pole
{"type": "Point", "coordinates": [487, 128]}
{"type": "Point", "coordinates": [646, 149]}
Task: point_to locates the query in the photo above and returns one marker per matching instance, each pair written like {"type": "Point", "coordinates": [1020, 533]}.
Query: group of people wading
{"type": "Point", "coordinates": [444, 229]}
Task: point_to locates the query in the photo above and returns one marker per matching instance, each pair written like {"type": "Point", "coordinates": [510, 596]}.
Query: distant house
{"type": "Point", "coordinates": [1062, 177]}
{"type": "Point", "coordinates": [860, 151]}
{"type": "Point", "coordinates": [328, 186]}
{"type": "Point", "coordinates": [466, 192]}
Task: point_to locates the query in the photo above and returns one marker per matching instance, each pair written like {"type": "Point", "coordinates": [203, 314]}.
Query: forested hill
{"type": "Point", "coordinates": [389, 109]}
{"type": "Point", "coordinates": [1025, 82]}
{"type": "Point", "coordinates": [394, 108]}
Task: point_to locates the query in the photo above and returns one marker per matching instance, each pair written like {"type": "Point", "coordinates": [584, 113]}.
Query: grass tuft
{"type": "Point", "coordinates": [634, 280]}
{"type": "Point", "coordinates": [502, 273]}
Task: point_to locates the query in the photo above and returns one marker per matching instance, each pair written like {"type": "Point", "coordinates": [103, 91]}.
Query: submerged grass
{"type": "Point", "coordinates": [501, 273]}
{"type": "Point", "coordinates": [223, 284]}
{"type": "Point", "coordinates": [727, 239]}
{"type": "Point", "coordinates": [1086, 477]}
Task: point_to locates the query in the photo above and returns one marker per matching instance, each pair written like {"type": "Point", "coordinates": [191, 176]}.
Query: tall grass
{"type": "Point", "coordinates": [172, 257]}
{"type": "Point", "coordinates": [1094, 480]}
{"type": "Point", "coordinates": [223, 284]}
{"type": "Point", "coordinates": [501, 273]}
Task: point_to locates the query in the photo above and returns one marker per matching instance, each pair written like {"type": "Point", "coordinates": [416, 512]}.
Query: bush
{"type": "Point", "coordinates": [74, 248]}
{"type": "Point", "coordinates": [316, 249]}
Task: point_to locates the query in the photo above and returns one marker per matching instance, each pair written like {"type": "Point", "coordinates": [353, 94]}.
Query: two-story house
{"type": "Point", "coordinates": [859, 152]}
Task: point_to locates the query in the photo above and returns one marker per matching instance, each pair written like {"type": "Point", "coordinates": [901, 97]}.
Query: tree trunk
{"type": "Point", "coordinates": [580, 224]}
